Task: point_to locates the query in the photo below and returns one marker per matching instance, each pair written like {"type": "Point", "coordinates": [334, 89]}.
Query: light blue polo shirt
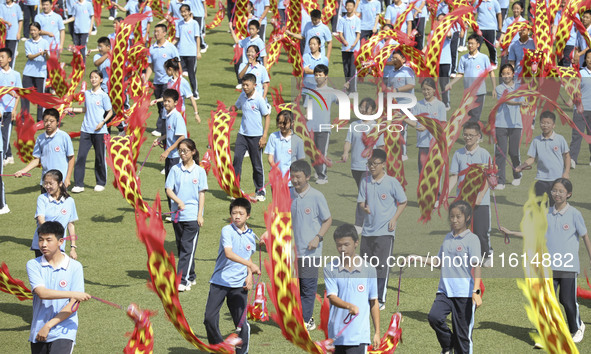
{"type": "Point", "coordinates": [186, 33]}
{"type": "Point", "coordinates": [184, 90]}
{"type": "Point", "coordinates": [175, 127]}
{"type": "Point", "coordinates": [355, 137]}
{"type": "Point", "coordinates": [383, 197]}
{"type": "Point", "coordinates": [11, 14]}
{"type": "Point", "coordinates": [549, 152]}
{"type": "Point", "coordinates": [311, 62]}
{"type": "Point", "coordinates": [321, 31]}
{"type": "Point", "coordinates": [369, 11]}
{"type": "Point", "coordinates": [53, 23]}
{"type": "Point", "coordinates": [97, 104]}
{"type": "Point", "coordinates": [31, 2]}
{"type": "Point", "coordinates": [309, 210]}
{"type": "Point", "coordinates": [461, 161]}
{"type": "Point", "coordinates": [400, 77]}
{"type": "Point", "coordinates": [508, 116]}
{"type": "Point", "coordinates": [197, 8]}
{"type": "Point", "coordinates": [565, 228]}
{"type": "Point", "coordinates": [159, 55]}
{"type": "Point", "coordinates": [261, 74]}
{"type": "Point", "coordinates": [36, 67]}
{"type": "Point", "coordinates": [259, 8]}
{"type": "Point", "coordinates": [53, 151]}
{"type": "Point", "coordinates": [186, 184]}
{"type": "Point", "coordinates": [445, 57]}
{"type": "Point", "coordinates": [508, 21]}
{"type": "Point", "coordinates": [586, 88]}
{"type": "Point", "coordinates": [487, 15]}
{"type": "Point", "coordinates": [103, 69]}
{"type": "Point", "coordinates": [435, 110]}
{"type": "Point", "coordinates": [471, 67]}
{"type": "Point", "coordinates": [175, 8]}
{"type": "Point", "coordinates": [516, 53]}
{"type": "Point", "coordinates": [69, 276]}
{"type": "Point", "coordinates": [229, 273]}
{"type": "Point", "coordinates": [82, 13]}
{"type": "Point", "coordinates": [253, 110]}
{"type": "Point", "coordinates": [356, 287]}
{"type": "Point", "coordinates": [393, 11]}
{"type": "Point", "coordinates": [9, 78]}
{"type": "Point", "coordinates": [349, 27]}
{"type": "Point", "coordinates": [285, 150]}
{"type": "Point", "coordinates": [320, 112]}
{"type": "Point", "coordinates": [247, 42]}
{"type": "Point", "coordinates": [458, 281]}
{"type": "Point", "coordinates": [62, 211]}
{"type": "Point", "coordinates": [133, 7]}
{"type": "Point", "coordinates": [572, 40]}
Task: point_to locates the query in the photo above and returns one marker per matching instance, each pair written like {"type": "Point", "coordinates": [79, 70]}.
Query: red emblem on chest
{"type": "Point", "coordinates": [459, 249]}
{"type": "Point", "coordinates": [360, 288]}
{"type": "Point", "coordinates": [63, 283]}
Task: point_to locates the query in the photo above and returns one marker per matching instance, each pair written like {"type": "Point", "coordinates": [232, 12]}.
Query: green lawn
{"type": "Point", "coordinates": [115, 261]}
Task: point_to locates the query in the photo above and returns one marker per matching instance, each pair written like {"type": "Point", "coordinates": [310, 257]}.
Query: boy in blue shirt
{"type": "Point", "coordinates": [52, 25]}
{"type": "Point", "coordinates": [311, 221]}
{"type": "Point", "coordinates": [315, 28]}
{"type": "Point", "coordinates": [12, 13]}
{"type": "Point", "coordinates": [102, 61]}
{"type": "Point", "coordinates": [516, 50]}
{"type": "Point", "coordinates": [199, 11]}
{"type": "Point", "coordinates": [490, 20]}
{"type": "Point", "coordinates": [53, 150]}
{"type": "Point", "coordinates": [396, 9]}
{"type": "Point", "coordinates": [252, 136]}
{"type": "Point", "coordinates": [57, 283]}
{"type": "Point", "coordinates": [188, 39]}
{"type": "Point", "coordinates": [369, 10]}
{"type": "Point", "coordinates": [8, 102]}
{"type": "Point", "coordinates": [3, 206]}
{"type": "Point", "coordinates": [232, 276]}
{"type": "Point", "coordinates": [284, 147]}
{"type": "Point", "coordinates": [252, 39]}
{"type": "Point", "coordinates": [383, 200]}
{"type": "Point", "coordinates": [352, 291]}
{"type": "Point", "coordinates": [82, 13]}
{"type": "Point", "coordinates": [349, 29]}
{"type": "Point", "coordinates": [401, 79]}
{"type": "Point", "coordinates": [552, 153]}
{"type": "Point", "coordinates": [35, 71]}
{"type": "Point", "coordinates": [261, 9]}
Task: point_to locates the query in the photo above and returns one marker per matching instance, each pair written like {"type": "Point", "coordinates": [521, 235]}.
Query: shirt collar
{"type": "Point", "coordinates": [461, 234]}
{"type": "Point", "coordinates": [473, 56]}
{"type": "Point", "coordinates": [281, 137]}
{"type": "Point", "coordinates": [303, 194]}
{"type": "Point", "coordinates": [378, 181]}
{"type": "Point", "coordinates": [551, 137]}
{"type": "Point", "coordinates": [473, 151]}
{"type": "Point", "coordinates": [6, 71]}
{"type": "Point", "coordinates": [160, 46]}
{"type": "Point", "coordinates": [52, 135]}
{"type": "Point", "coordinates": [355, 269]}
{"type": "Point", "coordinates": [509, 87]}
{"type": "Point", "coordinates": [190, 169]}
{"type": "Point", "coordinates": [64, 264]}
{"type": "Point", "coordinates": [97, 91]}
{"type": "Point", "coordinates": [561, 211]}
{"type": "Point", "coordinates": [171, 112]}
{"type": "Point", "coordinates": [240, 232]}
{"type": "Point", "coordinates": [51, 199]}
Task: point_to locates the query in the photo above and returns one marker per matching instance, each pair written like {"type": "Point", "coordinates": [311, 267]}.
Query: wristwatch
{"type": "Point", "coordinates": [320, 238]}
{"type": "Point", "coordinates": [477, 291]}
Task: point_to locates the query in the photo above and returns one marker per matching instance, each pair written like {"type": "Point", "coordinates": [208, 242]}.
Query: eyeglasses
{"type": "Point", "coordinates": [184, 151]}
{"type": "Point", "coordinates": [556, 192]}
{"type": "Point", "coordinates": [470, 136]}
{"type": "Point", "coordinates": [375, 163]}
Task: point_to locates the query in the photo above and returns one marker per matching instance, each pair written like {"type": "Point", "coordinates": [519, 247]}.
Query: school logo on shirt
{"type": "Point", "coordinates": [383, 196]}
{"type": "Point", "coordinates": [555, 148]}
{"type": "Point", "coordinates": [170, 127]}
{"type": "Point", "coordinates": [317, 33]}
{"type": "Point", "coordinates": [85, 11]}
{"type": "Point", "coordinates": [248, 247]}
{"type": "Point", "coordinates": [459, 249]}
{"type": "Point", "coordinates": [164, 55]}
{"type": "Point", "coordinates": [307, 211]}
{"type": "Point", "coordinates": [565, 227]}
{"type": "Point", "coordinates": [190, 31]}
{"type": "Point", "coordinates": [98, 103]}
{"type": "Point", "coordinates": [289, 151]}
{"type": "Point", "coordinates": [64, 211]}
{"type": "Point", "coordinates": [57, 149]}
{"type": "Point", "coordinates": [53, 22]}
{"type": "Point", "coordinates": [360, 288]}
{"type": "Point", "coordinates": [40, 50]}
{"type": "Point", "coordinates": [490, 8]}
{"type": "Point", "coordinates": [195, 181]}
{"type": "Point", "coordinates": [478, 67]}
{"type": "Point", "coordinates": [63, 283]}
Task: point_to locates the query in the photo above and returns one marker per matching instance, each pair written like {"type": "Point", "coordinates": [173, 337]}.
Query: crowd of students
{"type": "Point", "coordinates": [381, 200]}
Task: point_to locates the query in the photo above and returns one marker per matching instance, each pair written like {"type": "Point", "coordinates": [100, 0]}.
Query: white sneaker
{"type": "Point", "coordinates": [4, 162]}
{"type": "Point", "coordinates": [77, 189]}
{"type": "Point", "coordinates": [4, 210]}
{"type": "Point", "coordinates": [93, 33]}
{"type": "Point", "coordinates": [404, 157]}
{"type": "Point", "coordinates": [183, 288]}
{"type": "Point", "coordinates": [382, 306]}
{"type": "Point", "coordinates": [24, 39]}
{"type": "Point", "coordinates": [196, 96]}
{"type": "Point", "coordinates": [99, 188]}
{"type": "Point", "coordinates": [487, 263]}
{"type": "Point", "coordinates": [578, 337]}
{"type": "Point", "coordinates": [538, 346]}
{"type": "Point", "coordinates": [573, 164]}
{"type": "Point", "coordinates": [168, 218]}
{"type": "Point", "coordinates": [500, 187]}
{"type": "Point", "coordinates": [311, 325]}
{"type": "Point", "coordinates": [204, 50]}
{"type": "Point", "coordinates": [462, 48]}
{"type": "Point", "coordinates": [239, 87]}
{"type": "Point", "coordinates": [358, 229]}
{"type": "Point", "coordinates": [10, 160]}
{"type": "Point", "coordinates": [246, 154]}
{"type": "Point", "coordinates": [516, 182]}
{"type": "Point", "coordinates": [194, 282]}
{"type": "Point", "coordinates": [185, 74]}
{"type": "Point", "coordinates": [322, 181]}
{"type": "Point", "coordinates": [261, 197]}
{"type": "Point", "coordinates": [156, 133]}
{"type": "Point", "coordinates": [163, 172]}
{"type": "Point", "coordinates": [111, 18]}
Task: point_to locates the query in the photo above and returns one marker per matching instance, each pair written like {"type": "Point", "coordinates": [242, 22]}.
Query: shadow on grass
{"type": "Point", "coordinates": [101, 218]}
{"type": "Point", "coordinates": [31, 189]}
{"type": "Point", "coordinates": [23, 311]}
{"type": "Point", "coordinates": [219, 194]}
{"type": "Point", "coordinates": [17, 240]}
{"type": "Point", "coordinates": [501, 199]}
{"type": "Point", "coordinates": [416, 315]}
{"type": "Point", "coordinates": [139, 274]}
{"type": "Point", "coordinates": [21, 328]}
{"type": "Point", "coordinates": [177, 350]}
{"type": "Point", "coordinates": [110, 286]}
{"type": "Point", "coordinates": [519, 333]}
{"type": "Point", "coordinates": [224, 86]}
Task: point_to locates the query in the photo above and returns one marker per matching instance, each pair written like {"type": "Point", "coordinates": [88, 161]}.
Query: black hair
{"type": "Point", "coordinates": [7, 51]}
{"type": "Point", "coordinates": [316, 38]}
{"type": "Point", "coordinates": [119, 19]}
{"type": "Point", "coordinates": [185, 6]}
{"type": "Point", "coordinates": [464, 208]}
{"type": "Point", "coordinates": [387, 25]}
{"type": "Point", "coordinates": [161, 25]}
{"type": "Point", "coordinates": [429, 82]}
{"type": "Point", "coordinates": [100, 74]}
{"type": "Point", "coordinates": [171, 93]}
{"type": "Point", "coordinates": [399, 53]}
{"type": "Point", "coordinates": [301, 166]}
{"type": "Point", "coordinates": [517, 3]}
{"type": "Point", "coordinates": [379, 154]}
{"type": "Point", "coordinates": [286, 114]}
{"type": "Point", "coordinates": [42, 1]}
{"type": "Point", "coordinates": [321, 68]}
{"type": "Point", "coordinates": [346, 230]}
{"type": "Point", "coordinates": [585, 60]}
{"type": "Point", "coordinates": [475, 37]}
{"type": "Point", "coordinates": [59, 177]}
{"type": "Point", "coordinates": [315, 13]}
{"type": "Point", "coordinates": [191, 145]}
{"type": "Point", "coordinates": [35, 24]}
{"type": "Point", "coordinates": [507, 66]}
{"type": "Point", "coordinates": [472, 125]}
{"type": "Point", "coordinates": [568, 185]}
{"type": "Point", "coordinates": [249, 77]}
{"type": "Point", "coordinates": [257, 51]}
{"type": "Point", "coordinates": [51, 112]}
{"type": "Point", "coordinates": [255, 23]}
{"type": "Point", "coordinates": [51, 228]}
{"type": "Point", "coordinates": [548, 114]}
{"type": "Point", "coordinates": [173, 64]}
{"type": "Point", "coordinates": [240, 202]}
{"type": "Point", "coordinates": [348, 1]}
{"type": "Point", "coordinates": [587, 12]}
{"type": "Point", "coordinates": [104, 40]}
{"type": "Point", "coordinates": [368, 101]}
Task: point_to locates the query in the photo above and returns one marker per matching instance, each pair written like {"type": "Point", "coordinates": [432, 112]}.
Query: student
{"type": "Point", "coordinates": [420, 14]}
{"type": "Point", "coordinates": [252, 136]}
{"type": "Point", "coordinates": [552, 153]}
{"type": "Point", "coordinates": [445, 63]}
{"type": "Point", "coordinates": [401, 79]}
{"type": "Point", "coordinates": [315, 28]}
{"type": "Point", "coordinates": [57, 284]}
{"type": "Point", "coordinates": [160, 52]}
{"type": "Point", "coordinates": [253, 66]}
{"type": "Point", "coordinates": [582, 120]}
{"type": "Point", "coordinates": [458, 292]}
{"type": "Point", "coordinates": [517, 9]}
{"type": "Point", "coordinates": [349, 29]}
{"type": "Point", "coordinates": [581, 44]}
{"type": "Point", "coordinates": [174, 8]}
{"type": "Point", "coordinates": [116, 23]}
{"type": "Point", "coordinates": [369, 10]}
{"type": "Point", "coordinates": [133, 7]}
{"type": "Point", "coordinates": [260, 11]}
{"type": "Point", "coordinates": [186, 185]}
{"type": "Point", "coordinates": [188, 38]}
{"type": "Point", "coordinates": [29, 10]}
{"type": "Point", "coordinates": [517, 48]}
{"type": "Point", "coordinates": [102, 61]}
{"type": "Point", "coordinates": [52, 25]}
{"type": "Point", "coordinates": [12, 13]}
{"type": "Point", "coordinates": [97, 112]}
{"type": "Point", "coordinates": [252, 39]}
{"type": "Point", "coordinates": [566, 227]}
{"type": "Point", "coordinates": [311, 60]}
{"type": "Point", "coordinates": [472, 153]}
{"type": "Point", "coordinates": [354, 143]}
{"type": "Point", "coordinates": [566, 58]}
{"type": "Point", "coordinates": [396, 9]}
{"type": "Point", "coordinates": [432, 108]}
{"type": "Point", "coordinates": [8, 102]}
{"type": "Point", "coordinates": [3, 206]}
{"type": "Point", "coordinates": [471, 66]}
{"type": "Point", "coordinates": [490, 20]}
{"type": "Point", "coordinates": [232, 277]}
{"type": "Point", "coordinates": [508, 127]}
{"type": "Point", "coordinates": [56, 205]}
{"type": "Point", "coordinates": [284, 147]}
{"type": "Point", "coordinates": [352, 291]}
{"type": "Point", "coordinates": [82, 13]}
{"type": "Point", "coordinates": [199, 10]}
{"type": "Point", "coordinates": [311, 221]}
{"type": "Point", "coordinates": [35, 71]}
{"type": "Point", "coordinates": [382, 199]}
{"type": "Point", "coordinates": [53, 150]}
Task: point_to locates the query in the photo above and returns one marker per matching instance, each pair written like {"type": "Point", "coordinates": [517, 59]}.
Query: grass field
{"type": "Point", "coordinates": [115, 261]}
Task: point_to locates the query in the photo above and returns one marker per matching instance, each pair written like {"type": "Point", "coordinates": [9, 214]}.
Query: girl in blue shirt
{"type": "Point", "coordinates": [185, 186]}
{"type": "Point", "coordinates": [311, 60]}
{"type": "Point", "coordinates": [35, 72]}
{"type": "Point", "coordinates": [179, 83]}
{"type": "Point", "coordinates": [253, 66]}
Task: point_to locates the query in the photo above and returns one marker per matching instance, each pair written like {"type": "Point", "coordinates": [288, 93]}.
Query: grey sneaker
{"type": "Point", "coordinates": [516, 182]}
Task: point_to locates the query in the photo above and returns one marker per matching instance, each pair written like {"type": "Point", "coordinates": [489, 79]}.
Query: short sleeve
{"type": "Point", "coordinates": [34, 273]}
{"type": "Point", "coordinates": [197, 29]}
{"type": "Point", "coordinates": [564, 145]}
{"type": "Point", "coordinates": [348, 138]}
{"type": "Point", "coordinates": [69, 146]}
{"type": "Point", "coordinates": [226, 239]}
{"type": "Point", "coordinates": [362, 187]}
{"type": "Point", "coordinates": [263, 107]}
{"type": "Point", "coordinates": [328, 34]}
{"type": "Point", "coordinates": [181, 127]}
{"type": "Point", "coordinates": [270, 147]}
{"type": "Point", "coordinates": [150, 55]}
{"type": "Point", "coordinates": [28, 49]}
{"type": "Point", "coordinates": [358, 25]}
{"type": "Point", "coordinates": [580, 224]}
{"type": "Point", "coordinates": [454, 168]}
{"type": "Point", "coordinates": [532, 151]}
{"type": "Point", "coordinates": [90, 9]}
{"type": "Point", "coordinates": [474, 250]}
{"type": "Point", "coordinates": [330, 282]}
{"type": "Point", "coordinates": [107, 103]}
{"type": "Point", "coordinates": [340, 26]}
{"type": "Point", "coordinates": [37, 148]}
{"type": "Point", "coordinates": [73, 212]}
{"type": "Point", "coordinates": [177, 33]}
{"type": "Point", "coordinates": [497, 7]}
{"type": "Point", "coordinates": [60, 24]}
{"type": "Point", "coordinates": [202, 180]}
{"type": "Point", "coordinates": [41, 206]}
{"type": "Point", "coordinates": [241, 67]}
{"type": "Point", "coordinates": [175, 52]}
{"type": "Point", "coordinates": [171, 179]}
{"type": "Point", "coordinates": [19, 13]}
{"type": "Point", "coordinates": [77, 276]}
{"type": "Point", "coordinates": [398, 192]}
{"type": "Point", "coordinates": [323, 211]}
{"type": "Point", "coordinates": [512, 55]}
{"type": "Point", "coordinates": [461, 66]}
{"type": "Point", "coordinates": [265, 76]}
{"type": "Point", "coordinates": [499, 89]}
{"type": "Point", "coordinates": [372, 282]}
{"type": "Point", "coordinates": [262, 48]}
{"type": "Point", "coordinates": [240, 101]}
{"type": "Point", "coordinates": [299, 150]}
